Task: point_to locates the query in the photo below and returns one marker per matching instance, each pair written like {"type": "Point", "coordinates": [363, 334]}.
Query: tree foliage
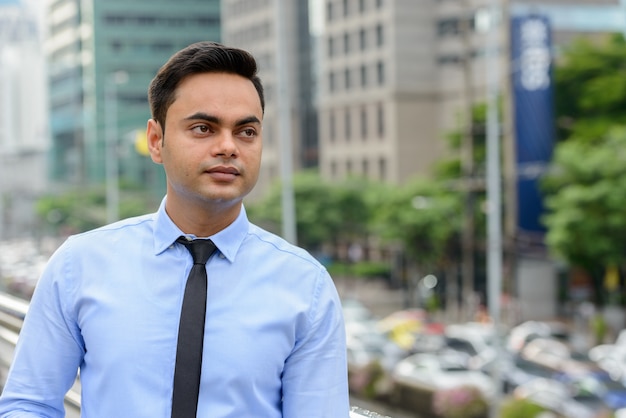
{"type": "Point", "coordinates": [585, 188]}
{"type": "Point", "coordinates": [79, 210]}
{"type": "Point", "coordinates": [586, 220]}
{"type": "Point", "coordinates": [424, 216]}
{"type": "Point", "coordinates": [590, 92]}
{"type": "Point", "coordinates": [325, 212]}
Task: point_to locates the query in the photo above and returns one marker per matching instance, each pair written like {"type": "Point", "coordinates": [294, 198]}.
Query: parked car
{"type": "Point", "coordinates": [402, 326]}
{"type": "Point", "coordinates": [443, 370]}
{"type": "Point", "coordinates": [514, 371]}
{"type": "Point", "coordinates": [427, 342]}
{"type": "Point", "coordinates": [612, 359]}
{"type": "Point", "coordinates": [525, 332]}
{"type": "Point", "coordinates": [595, 388]}
{"type": "Point", "coordinates": [365, 337]}
{"type": "Point", "coordinates": [555, 355]}
{"type": "Point", "coordinates": [416, 379]}
{"type": "Point", "coordinates": [371, 356]}
{"type": "Point", "coordinates": [556, 397]}
{"type": "Point", "coordinates": [473, 338]}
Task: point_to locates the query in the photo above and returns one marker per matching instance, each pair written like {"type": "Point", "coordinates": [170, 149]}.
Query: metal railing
{"type": "Point", "coordinates": [12, 313]}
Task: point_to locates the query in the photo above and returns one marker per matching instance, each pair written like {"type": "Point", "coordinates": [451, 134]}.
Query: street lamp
{"type": "Point", "coordinates": [111, 162]}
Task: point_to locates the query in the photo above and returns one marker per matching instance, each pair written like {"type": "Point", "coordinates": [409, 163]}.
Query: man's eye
{"type": "Point", "coordinates": [202, 129]}
{"type": "Point", "coordinates": [248, 132]}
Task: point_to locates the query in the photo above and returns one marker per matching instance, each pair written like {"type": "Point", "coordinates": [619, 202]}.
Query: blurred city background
{"type": "Point", "coordinates": [458, 165]}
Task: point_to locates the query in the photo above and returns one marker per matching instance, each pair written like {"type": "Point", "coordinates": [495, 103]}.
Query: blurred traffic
{"type": "Point", "coordinates": [420, 363]}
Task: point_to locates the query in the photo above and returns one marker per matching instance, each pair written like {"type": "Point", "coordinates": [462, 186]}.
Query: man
{"type": "Point", "coordinates": [109, 301]}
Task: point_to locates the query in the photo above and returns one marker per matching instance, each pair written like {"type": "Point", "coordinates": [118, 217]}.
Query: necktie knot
{"type": "Point", "coordinates": [200, 249]}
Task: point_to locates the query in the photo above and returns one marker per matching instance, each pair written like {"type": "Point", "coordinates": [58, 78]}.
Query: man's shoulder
{"type": "Point", "coordinates": [129, 226]}
{"type": "Point", "coordinates": [275, 243]}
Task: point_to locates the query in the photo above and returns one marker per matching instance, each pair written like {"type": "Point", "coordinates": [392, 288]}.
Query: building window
{"type": "Point", "coordinates": [332, 126]}
{"type": "Point", "coordinates": [382, 169]}
{"type": "Point", "coordinates": [346, 43]}
{"type": "Point", "coordinates": [379, 4]}
{"type": "Point", "coordinates": [380, 39]}
{"type": "Point", "coordinates": [380, 73]}
{"type": "Point", "coordinates": [329, 10]}
{"type": "Point", "coordinates": [362, 39]}
{"type": "Point", "coordinates": [145, 20]}
{"type": "Point", "coordinates": [331, 46]}
{"type": "Point", "coordinates": [333, 169]}
{"type": "Point", "coordinates": [331, 82]}
{"type": "Point", "coordinates": [116, 46]}
{"type": "Point", "coordinates": [449, 59]}
{"type": "Point", "coordinates": [361, 6]}
{"type": "Point", "coordinates": [363, 123]}
{"type": "Point", "coordinates": [448, 27]}
{"type": "Point", "coordinates": [346, 10]}
{"type": "Point", "coordinates": [380, 120]}
{"type": "Point", "coordinates": [363, 75]}
{"type": "Point", "coordinates": [363, 72]}
{"type": "Point", "coordinates": [347, 124]}
{"type": "Point", "coordinates": [346, 76]}
{"type": "Point", "coordinates": [349, 168]}
{"type": "Point", "coordinates": [365, 167]}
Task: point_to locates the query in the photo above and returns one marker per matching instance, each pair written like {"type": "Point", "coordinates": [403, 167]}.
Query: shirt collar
{"type": "Point", "coordinates": [227, 240]}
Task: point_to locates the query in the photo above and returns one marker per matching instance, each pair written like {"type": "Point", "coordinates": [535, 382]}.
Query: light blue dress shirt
{"type": "Point", "coordinates": [109, 303]}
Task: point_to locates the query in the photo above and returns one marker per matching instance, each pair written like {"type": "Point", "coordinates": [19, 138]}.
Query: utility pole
{"type": "Point", "coordinates": [494, 198]}
{"type": "Point", "coordinates": [284, 123]}
{"type": "Point", "coordinates": [510, 172]}
{"type": "Point", "coordinates": [111, 152]}
{"type": "Point", "coordinates": [467, 161]}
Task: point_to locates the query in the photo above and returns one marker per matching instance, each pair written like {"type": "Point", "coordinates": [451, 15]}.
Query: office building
{"type": "Point", "coordinates": [397, 75]}
{"type": "Point", "coordinates": [24, 138]}
{"type": "Point", "coordinates": [101, 58]}
{"type": "Point", "coordinates": [252, 25]}
{"type": "Point", "coordinates": [379, 89]}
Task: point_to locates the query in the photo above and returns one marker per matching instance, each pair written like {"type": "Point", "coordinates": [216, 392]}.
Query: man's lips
{"type": "Point", "coordinates": [223, 172]}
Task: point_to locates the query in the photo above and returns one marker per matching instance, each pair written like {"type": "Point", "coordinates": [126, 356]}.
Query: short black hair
{"type": "Point", "coordinates": [198, 58]}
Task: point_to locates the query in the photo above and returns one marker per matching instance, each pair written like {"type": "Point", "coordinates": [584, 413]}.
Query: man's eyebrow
{"type": "Point", "coordinates": [248, 120]}
{"type": "Point", "coordinates": [203, 116]}
{"type": "Point", "coordinates": [216, 120]}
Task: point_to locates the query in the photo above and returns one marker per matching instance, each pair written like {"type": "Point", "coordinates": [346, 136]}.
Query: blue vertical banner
{"type": "Point", "coordinates": [531, 50]}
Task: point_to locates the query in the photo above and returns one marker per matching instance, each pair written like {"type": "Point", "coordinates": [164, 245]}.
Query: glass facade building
{"type": "Point", "coordinates": [113, 46]}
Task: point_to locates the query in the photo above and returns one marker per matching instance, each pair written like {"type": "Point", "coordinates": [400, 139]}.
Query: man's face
{"type": "Point", "coordinates": [211, 147]}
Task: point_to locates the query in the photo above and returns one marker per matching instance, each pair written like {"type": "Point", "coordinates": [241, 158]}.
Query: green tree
{"type": "Point", "coordinates": [590, 88]}
{"type": "Point", "coordinates": [325, 212]}
{"type": "Point", "coordinates": [82, 209]}
{"type": "Point", "coordinates": [427, 215]}
{"type": "Point", "coordinates": [450, 167]}
{"type": "Point", "coordinates": [424, 216]}
{"type": "Point", "coordinates": [586, 203]}
{"type": "Point", "coordinates": [584, 188]}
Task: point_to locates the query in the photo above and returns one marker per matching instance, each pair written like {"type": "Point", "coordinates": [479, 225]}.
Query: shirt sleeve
{"type": "Point", "coordinates": [315, 382]}
{"type": "Point", "coordinates": [49, 351]}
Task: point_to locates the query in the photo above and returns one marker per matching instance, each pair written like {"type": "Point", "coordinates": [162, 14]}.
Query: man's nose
{"type": "Point", "coordinates": [226, 145]}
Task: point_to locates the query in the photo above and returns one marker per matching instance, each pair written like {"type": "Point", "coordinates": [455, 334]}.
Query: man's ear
{"type": "Point", "coordinates": [154, 136]}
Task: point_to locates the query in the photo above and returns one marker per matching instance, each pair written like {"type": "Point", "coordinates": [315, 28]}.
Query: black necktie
{"type": "Point", "coordinates": [191, 331]}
